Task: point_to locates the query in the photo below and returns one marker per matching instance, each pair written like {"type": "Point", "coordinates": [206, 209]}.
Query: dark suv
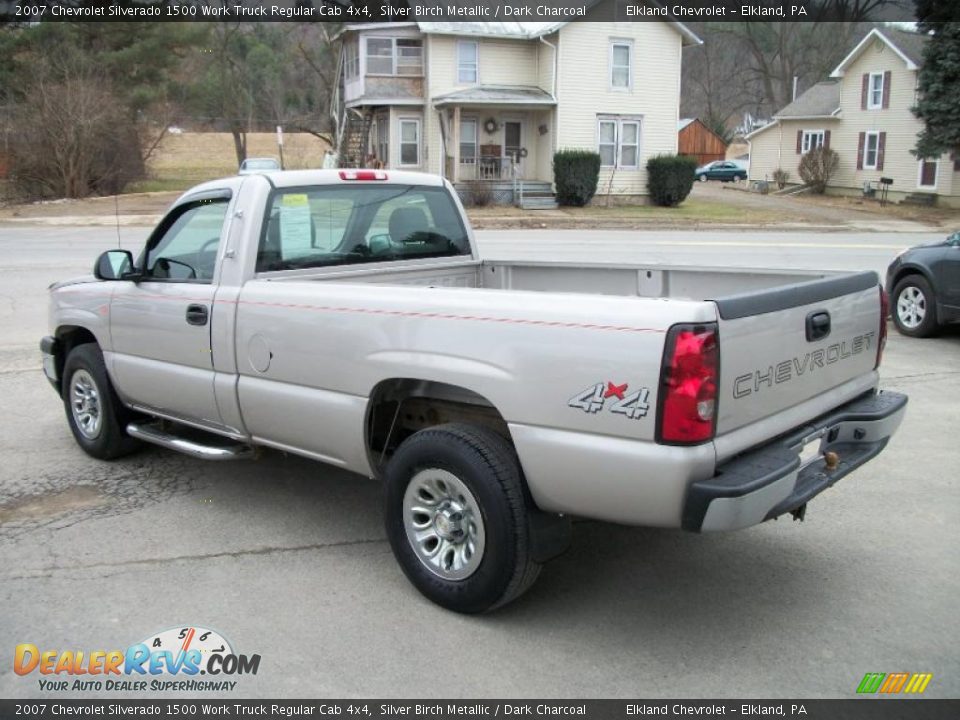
{"type": "Point", "coordinates": [924, 286]}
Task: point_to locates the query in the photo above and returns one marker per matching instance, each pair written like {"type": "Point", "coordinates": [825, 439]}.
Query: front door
{"type": "Point", "coordinates": [161, 355]}
{"type": "Point", "coordinates": [513, 144]}
{"type": "Point", "coordinates": [948, 274]}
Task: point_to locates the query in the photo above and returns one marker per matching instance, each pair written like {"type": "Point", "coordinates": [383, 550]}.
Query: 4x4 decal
{"type": "Point", "coordinates": [633, 405]}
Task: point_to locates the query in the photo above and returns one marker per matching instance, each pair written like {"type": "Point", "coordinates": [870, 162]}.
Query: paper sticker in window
{"type": "Point", "coordinates": [295, 225]}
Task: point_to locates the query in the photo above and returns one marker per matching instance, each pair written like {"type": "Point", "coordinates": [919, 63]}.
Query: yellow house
{"type": "Point", "coordinates": [488, 103]}
{"type": "Point", "coordinates": [863, 113]}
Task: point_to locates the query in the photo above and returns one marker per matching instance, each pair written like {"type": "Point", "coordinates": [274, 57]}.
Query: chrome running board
{"type": "Point", "coordinates": [154, 434]}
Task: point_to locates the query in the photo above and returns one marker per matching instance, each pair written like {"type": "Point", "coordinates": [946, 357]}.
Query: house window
{"type": "Point", "coordinates": [351, 60]}
{"type": "Point", "coordinates": [812, 139]}
{"type": "Point", "coordinates": [621, 63]}
{"type": "Point", "coordinates": [929, 169]}
{"type": "Point", "coordinates": [871, 150]}
{"type": "Point", "coordinates": [410, 142]}
{"type": "Point", "coordinates": [468, 52]}
{"type": "Point", "coordinates": [618, 142]}
{"type": "Point", "coordinates": [409, 57]}
{"type": "Point", "coordinates": [875, 91]}
{"type": "Point", "coordinates": [607, 142]}
{"type": "Point", "coordinates": [379, 56]}
{"type": "Point", "coordinates": [468, 141]}
{"type": "Point", "coordinates": [394, 56]}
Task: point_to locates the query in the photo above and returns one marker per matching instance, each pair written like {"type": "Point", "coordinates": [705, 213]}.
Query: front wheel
{"type": "Point", "coordinates": [96, 416]}
{"type": "Point", "coordinates": [915, 307]}
{"type": "Point", "coordinates": [703, 178]}
{"type": "Point", "coordinates": [457, 517]}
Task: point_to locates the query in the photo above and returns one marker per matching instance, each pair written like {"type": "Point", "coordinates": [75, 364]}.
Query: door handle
{"type": "Point", "coordinates": [197, 315]}
{"type": "Point", "coordinates": [818, 325]}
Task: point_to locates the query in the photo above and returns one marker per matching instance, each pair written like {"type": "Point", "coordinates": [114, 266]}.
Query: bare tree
{"type": "Point", "coordinates": [72, 136]}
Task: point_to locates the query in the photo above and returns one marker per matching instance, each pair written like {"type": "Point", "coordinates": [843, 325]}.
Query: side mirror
{"type": "Point", "coordinates": [115, 265]}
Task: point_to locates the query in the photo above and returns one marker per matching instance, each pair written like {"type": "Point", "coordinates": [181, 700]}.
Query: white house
{"type": "Point", "coordinates": [863, 113]}
{"type": "Point", "coordinates": [491, 102]}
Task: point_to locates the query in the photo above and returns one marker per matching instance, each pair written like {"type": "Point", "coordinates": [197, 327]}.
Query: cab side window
{"type": "Point", "coordinates": [186, 249]}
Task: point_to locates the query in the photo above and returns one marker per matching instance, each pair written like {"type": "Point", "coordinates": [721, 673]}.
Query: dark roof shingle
{"type": "Point", "coordinates": [822, 100]}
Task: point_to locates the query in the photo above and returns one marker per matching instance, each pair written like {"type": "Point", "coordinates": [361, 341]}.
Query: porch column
{"type": "Point", "coordinates": [455, 141]}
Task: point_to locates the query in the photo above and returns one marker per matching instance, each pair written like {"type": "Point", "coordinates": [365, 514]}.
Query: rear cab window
{"type": "Point", "coordinates": [328, 225]}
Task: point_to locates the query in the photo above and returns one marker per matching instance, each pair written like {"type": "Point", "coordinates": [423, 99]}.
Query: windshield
{"type": "Point", "coordinates": [346, 224]}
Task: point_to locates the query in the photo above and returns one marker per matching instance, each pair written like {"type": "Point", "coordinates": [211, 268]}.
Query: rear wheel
{"type": "Point", "coordinates": [915, 307]}
{"type": "Point", "coordinates": [96, 416]}
{"type": "Point", "coordinates": [457, 517]}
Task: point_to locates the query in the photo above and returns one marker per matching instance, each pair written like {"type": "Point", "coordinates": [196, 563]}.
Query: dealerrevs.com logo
{"type": "Point", "coordinates": [167, 661]}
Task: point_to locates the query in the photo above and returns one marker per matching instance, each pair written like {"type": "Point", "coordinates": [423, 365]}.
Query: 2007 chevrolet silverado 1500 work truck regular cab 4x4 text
{"type": "Point", "coordinates": [346, 316]}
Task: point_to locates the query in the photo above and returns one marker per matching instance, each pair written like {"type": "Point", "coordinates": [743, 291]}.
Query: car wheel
{"type": "Point", "coordinates": [703, 178]}
{"type": "Point", "coordinates": [915, 307]}
{"type": "Point", "coordinates": [457, 517]}
{"type": "Point", "coordinates": [96, 417]}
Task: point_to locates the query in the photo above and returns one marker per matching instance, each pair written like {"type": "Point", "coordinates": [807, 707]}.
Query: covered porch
{"type": "Point", "coordinates": [499, 137]}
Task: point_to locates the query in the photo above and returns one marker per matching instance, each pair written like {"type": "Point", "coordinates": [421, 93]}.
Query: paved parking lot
{"type": "Point", "coordinates": [288, 558]}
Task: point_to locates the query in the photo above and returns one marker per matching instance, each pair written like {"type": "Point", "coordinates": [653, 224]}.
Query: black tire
{"type": "Point", "coordinates": [917, 286]}
{"type": "Point", "coordinates": [703, 178]}
{"type": "Point", "coordinates": [111, 440]}
{"type": "Point", "coordinates": [487, 464]}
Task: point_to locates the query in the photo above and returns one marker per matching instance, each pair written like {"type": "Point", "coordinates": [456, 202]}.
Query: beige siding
{"type": "Point", "coordinates": [501, 62]}
{"type": "Point", "coordinates": [900, 125]}
{"type": "Point", "coordinates": [584, 91]}
{"type": "Point", "coordinates": [542, 168]}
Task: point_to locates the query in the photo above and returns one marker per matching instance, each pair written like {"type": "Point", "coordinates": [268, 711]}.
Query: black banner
{"type": "Point", "coordinates": [360, 11]}
{"type": "Point", "coordinates": [188, 709]}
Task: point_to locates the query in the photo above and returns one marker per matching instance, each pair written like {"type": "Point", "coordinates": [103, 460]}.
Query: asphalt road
{"type": "Point", "coordinates": [287, 558]}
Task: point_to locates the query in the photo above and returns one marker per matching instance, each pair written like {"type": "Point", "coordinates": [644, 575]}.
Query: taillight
{"type": "Point", "coordinates": [882, 336]}
{"type": "Point", "coordinates": [363, 175]}
{"type": "Point", "coordinates": [688, 385]}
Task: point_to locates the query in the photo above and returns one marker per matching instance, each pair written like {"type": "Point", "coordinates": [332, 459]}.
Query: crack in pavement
{"type": "Point", "coordinates": [41, 572]}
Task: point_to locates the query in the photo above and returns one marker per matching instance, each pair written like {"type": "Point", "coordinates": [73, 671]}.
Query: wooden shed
{"type": "Point", "coordinates": [698, 141]}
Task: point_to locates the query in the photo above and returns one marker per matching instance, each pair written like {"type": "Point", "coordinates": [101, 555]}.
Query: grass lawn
{"type": "Point", "coordinates": [691, 212]}
{"type": "Point", "coordinates": [182, 161]}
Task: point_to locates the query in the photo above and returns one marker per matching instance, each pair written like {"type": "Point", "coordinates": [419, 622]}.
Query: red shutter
{"type": "Point", "coordinates": [826, 139]}
{"type": "Point", "coordinates": [881, 146]}
{"type": "Point", "coordinates": [860, 146]}
{"type": "Point", "coordinates": [886, 90]}
{"type": "Point", "coordinates": [799, 141]}
{"type": "Point", "coordinates": [863, 91]}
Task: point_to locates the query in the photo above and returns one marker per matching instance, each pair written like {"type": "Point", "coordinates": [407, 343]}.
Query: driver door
{"type": "Point", "coordinates": [160, 326]}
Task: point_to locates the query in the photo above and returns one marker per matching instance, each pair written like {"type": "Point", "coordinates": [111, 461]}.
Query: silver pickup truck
{"type": "Point", "coordinates": [346, 316]}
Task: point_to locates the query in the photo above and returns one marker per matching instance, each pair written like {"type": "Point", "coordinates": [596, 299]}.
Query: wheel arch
{"type": "Point", "coordinates": [399, 406]}
{"type": "Point", "coordinates": [906, 271]}
{"type": "Point", "coordinates": [68, 337]}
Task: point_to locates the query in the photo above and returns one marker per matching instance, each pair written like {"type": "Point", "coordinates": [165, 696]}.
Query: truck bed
{"type": "Point", "coordinates": [650, 281]}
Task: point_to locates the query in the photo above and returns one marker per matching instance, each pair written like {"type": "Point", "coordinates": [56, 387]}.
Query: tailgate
{"type": "Point", "coordinates": [783, 346]}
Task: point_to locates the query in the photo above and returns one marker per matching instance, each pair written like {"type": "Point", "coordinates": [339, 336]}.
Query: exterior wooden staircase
{"type": "Point", "coordinates": [353, 141]}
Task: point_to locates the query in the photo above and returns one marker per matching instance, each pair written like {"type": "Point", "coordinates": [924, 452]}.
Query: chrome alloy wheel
{"type": "Point", "coordinates": [443, 524]}
{"type": "Point", "coordinates": [85, 404]}
{"type": "Point", "coordinates": [911, 307]}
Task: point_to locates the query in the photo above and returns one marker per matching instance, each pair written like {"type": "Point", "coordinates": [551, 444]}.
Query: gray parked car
{"type": "Point", "coordinates": [924, 286]}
